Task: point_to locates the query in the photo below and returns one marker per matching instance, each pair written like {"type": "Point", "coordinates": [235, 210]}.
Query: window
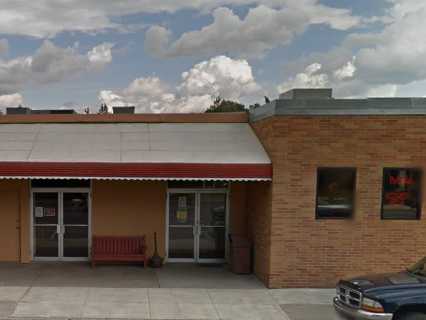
{"type": "Point", "coordinates": [401, 193]}
{"type": "Point", "coordinates": [335, 193]}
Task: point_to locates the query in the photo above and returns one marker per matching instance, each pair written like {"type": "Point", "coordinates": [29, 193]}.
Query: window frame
{"type": "Point", "coordinates": [419, 194]}
{"type": "Point", "coordinates": [352, 214]}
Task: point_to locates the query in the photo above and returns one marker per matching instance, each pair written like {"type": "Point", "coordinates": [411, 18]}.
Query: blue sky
{"type": "Point", "coordinates": [178, 55]}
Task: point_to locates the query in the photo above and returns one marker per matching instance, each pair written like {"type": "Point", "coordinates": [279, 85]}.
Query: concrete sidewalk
{"type": "Point", "coordinates": [123, 276]}
{"type": "Point", "coordinates": [181, 291]}
{"type": "Point", "coordinates": [306, 304]}
{"type": "Point", "coordinates": [163, 303]}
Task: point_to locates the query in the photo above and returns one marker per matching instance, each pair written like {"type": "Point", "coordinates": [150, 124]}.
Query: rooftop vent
{"type": "Point", "coordinates": [123, 110]}
{"type": "Point", "coordinates": [25, 110]}
{"type": "Point", "coordinates": [18, 110]}
{"type": "Point", "coordinates": [53, 111]}
{"type": "Point", "coordinates": [307, 94]}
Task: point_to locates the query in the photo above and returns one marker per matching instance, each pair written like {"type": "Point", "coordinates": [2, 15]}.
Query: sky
{"type": "Point", "coordinates": [179, 55]}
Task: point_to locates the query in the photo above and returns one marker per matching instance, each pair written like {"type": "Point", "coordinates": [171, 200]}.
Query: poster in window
{"type": "Point", "coordinates": [182, 216]}
{"type": "Point", "coordinates": [182, 212]}
{"type": "Point", "coordinates": [401, 193]}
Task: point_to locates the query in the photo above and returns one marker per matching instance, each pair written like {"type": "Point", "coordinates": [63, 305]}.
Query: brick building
{"type": "Point", "coordinates": [306, 133]}
{"type": "Point", "coordinates": [325, 188]}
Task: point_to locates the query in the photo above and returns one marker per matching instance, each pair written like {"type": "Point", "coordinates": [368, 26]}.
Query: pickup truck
{"type": "Point", "coordinates": [396, 296]}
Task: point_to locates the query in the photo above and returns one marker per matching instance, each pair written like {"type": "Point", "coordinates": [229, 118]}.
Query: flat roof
{"type": "Point", "coordinates": [340, 107]}
{"type": "Point", "coordinates": [227, 117]}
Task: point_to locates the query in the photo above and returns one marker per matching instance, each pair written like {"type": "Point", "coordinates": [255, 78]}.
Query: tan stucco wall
{"type": "Point", "coordinates": [238, 219]}
{"type": "Point", "coordinates": [122, 208]}
{"type": "Point", "coordinates": [137, 208]}
{"type": "Point", "coordinates": [118, 208]}
{"type": "Point", "coordinates": [15, 221]}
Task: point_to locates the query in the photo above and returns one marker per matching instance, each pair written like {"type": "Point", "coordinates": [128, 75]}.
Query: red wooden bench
{"type": "Point", "coordinates": [118, 249]}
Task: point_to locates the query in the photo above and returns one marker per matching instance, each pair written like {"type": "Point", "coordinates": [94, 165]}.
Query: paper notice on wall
{"type": "Point", "coordinates": [38, 212]}
{"type": "Point", "coordinates": [182, 203]}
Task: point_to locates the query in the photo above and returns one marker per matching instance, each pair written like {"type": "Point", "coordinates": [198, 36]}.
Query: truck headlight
{"type": "Point", "coordinates": [371, 305]}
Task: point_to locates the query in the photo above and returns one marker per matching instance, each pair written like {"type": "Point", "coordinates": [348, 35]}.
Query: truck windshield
{"type": "Point", "coordinates": [418, 268]}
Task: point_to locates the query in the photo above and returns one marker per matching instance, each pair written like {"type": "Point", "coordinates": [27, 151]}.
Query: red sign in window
{"type": "Point", "coordinates": [401, 193]}
{"type": "Point", "coordinates": [396, 197]}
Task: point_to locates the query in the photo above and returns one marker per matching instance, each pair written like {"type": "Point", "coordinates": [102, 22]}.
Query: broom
{"type": "Point", "coordinates": [156, 261]}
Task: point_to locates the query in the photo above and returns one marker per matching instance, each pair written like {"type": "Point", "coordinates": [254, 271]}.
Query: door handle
{"type": "Point", "coordinates": [58, 229]}
{"type": "Point", "coordinates": [196, 230]}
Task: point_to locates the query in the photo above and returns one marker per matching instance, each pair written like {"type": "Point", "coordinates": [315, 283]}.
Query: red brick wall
{"type": "Point", "coordinates": [305, 252]}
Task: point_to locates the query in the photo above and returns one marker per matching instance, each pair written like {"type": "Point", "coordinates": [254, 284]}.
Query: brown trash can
{"type": "Point", "coordinates": [240, 254]}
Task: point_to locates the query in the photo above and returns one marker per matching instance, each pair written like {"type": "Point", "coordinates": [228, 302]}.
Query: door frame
{"type": "Point", "coordinates": [60, 192]}
{"type": "Point", "coordinates": [197, 192]}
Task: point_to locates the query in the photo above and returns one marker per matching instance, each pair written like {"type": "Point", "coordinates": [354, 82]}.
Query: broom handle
{"type": "Point", "coordinates": [155, 241]}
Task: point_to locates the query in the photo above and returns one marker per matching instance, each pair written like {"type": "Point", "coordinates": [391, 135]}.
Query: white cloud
{"type": "Point", "coordinates": [311, 77]}
{"type": "Point", "coordinates": [157, 40]}
{"type": "Point", "coordinates": [219, 76]}
{"type": "Point", "coordinates": [112, 99]}
{"type": "Point", "coordinates": [386, 90]}
{"type": "Point", "coordinates": [262, 29]}
{"type": "Point", "coordinates": [150, 94]}
{"type": "Point", "coordinates": [49, 64]}
{"type": "Point", "coordinates": [396, 56]}
{"type": "Point", "coordinates": [379, 63]}
{"type": "Point", "coordinates": [402, 7]}
{"type": "Point", "coordinates": [47, 18]}
{"type": "Point", "coordinates": [101, 55]}
{"type": "Point", "coordinates": [11, 100]}
{"type": "Point", "coordinates": [346, 71]}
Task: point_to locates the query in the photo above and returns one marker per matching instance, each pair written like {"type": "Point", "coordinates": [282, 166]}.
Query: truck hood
{"type": "Point", "coordinates": [383, 280]}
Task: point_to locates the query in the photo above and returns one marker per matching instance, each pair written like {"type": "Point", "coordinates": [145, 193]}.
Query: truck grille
{"type": "Point", "coordinates": [349, 296]}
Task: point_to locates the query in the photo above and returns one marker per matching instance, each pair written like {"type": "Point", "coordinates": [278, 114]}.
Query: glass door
{"type": "Point", "coordinates": [197, 226]}
{"type": "Point", "coordinates": [212, 226]}
{"type": "Point", "coordinates": [61, 225]}
{"type": "Point", "coordinates": [75, 225]}
{"type": "Point", "coordinates": [182, 226]}
{"type": "Point", "coordinates": [46, 224]}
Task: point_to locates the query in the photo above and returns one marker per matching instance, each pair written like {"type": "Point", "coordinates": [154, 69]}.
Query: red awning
{"type": "Point", "coordinates": [137, 171]}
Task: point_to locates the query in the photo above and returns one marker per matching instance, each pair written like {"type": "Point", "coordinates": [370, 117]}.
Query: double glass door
{"type": "Point", "coordinates": [60, 225]}
{"type": "Point", "coordinates": [197, 226]}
